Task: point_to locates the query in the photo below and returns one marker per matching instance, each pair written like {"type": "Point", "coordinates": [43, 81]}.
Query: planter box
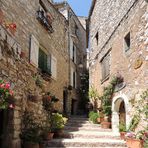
{"type": "Point", "coordinates": [134, 143]}
{"type": "Point", "coordinates": [106, 124]}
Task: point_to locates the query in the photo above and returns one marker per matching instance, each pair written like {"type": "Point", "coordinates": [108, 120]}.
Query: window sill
{"type": "Point", "coordinates": [105, 79]}
{"type": "Point", "coordinates": [46, 76]}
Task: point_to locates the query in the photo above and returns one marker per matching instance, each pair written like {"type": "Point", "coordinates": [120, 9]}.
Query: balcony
{"type": "Point", "coordinates": [45, 20]}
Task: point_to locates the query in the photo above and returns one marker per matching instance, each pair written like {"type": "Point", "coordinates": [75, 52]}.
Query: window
{"type": "Point", "coordinates": [76, 30]}
{"type": "Point", "coordinates": [44, 62]}
{"type": "Point", "coordinates": [74, 53]}
{"type": "Point", "coordinates": [44, 17]}
{"type": "Point", "coordinates": [127, 42]}
{"type": "Point", "coordinates": [73, 78]}
{"type": "Point", "coordinates": [97, 37]}
{"type": "Point", "coordinates": [105, 65]}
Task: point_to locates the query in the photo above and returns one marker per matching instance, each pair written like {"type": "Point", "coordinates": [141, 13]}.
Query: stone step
{"type": "Point", "coordinates": [82, 124]}
{"type": "Point", "coordinates": [81, 142]}
{"type": "Point", "coordinates": [86, 147]}
{"type": "Point", "coordinates": [79, 135]}
{"type": "Point", "coordinates": [71, 128]}
{"type": "Point", "coordinates": [78, 121]}
{"type": "Point", "coordinates": [90, 134]}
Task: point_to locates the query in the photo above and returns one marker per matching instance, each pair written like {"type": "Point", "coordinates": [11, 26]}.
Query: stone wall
{"type": "Point", "coordinates": [77, 38]}
{"type": "Point", "coordinates": [113, 25]}
{"type": "Point", "coordinates": [19, 72]}
{"type": "Point", "coordinates": [55, 43]}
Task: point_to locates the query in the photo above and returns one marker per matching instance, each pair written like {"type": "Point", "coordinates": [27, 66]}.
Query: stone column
{"type": "Point", "coordinates": [115, 122]}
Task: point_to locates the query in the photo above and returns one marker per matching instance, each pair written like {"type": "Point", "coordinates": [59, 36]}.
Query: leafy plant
{"type": "Point", "coordinates": [122, 127]}
{"type": "Point", "coordinates": [134, 122]}
{"type": "Point", "coordinates": [93, 116]}
{"type": "Point", "coordinates": [57, 121]}
{"type": "Point", "coordinates": [31, 131]}
{"type": "Point", "coordinates": [108, 93]}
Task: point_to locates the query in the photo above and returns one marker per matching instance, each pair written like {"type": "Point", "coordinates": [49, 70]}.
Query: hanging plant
{"type": "Point", "coordinates": [6, 96]}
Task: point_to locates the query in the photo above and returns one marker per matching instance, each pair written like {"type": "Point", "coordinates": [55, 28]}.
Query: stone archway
{"type": "Point", "coordinates": [120, 104]}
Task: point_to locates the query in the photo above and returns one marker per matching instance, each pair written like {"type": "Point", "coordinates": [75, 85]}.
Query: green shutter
{"type": "Point", "coordinates": [42, 60]}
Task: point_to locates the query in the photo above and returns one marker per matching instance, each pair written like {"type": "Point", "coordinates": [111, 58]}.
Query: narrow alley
{"type": "Point", "coordinates": [63, 60]}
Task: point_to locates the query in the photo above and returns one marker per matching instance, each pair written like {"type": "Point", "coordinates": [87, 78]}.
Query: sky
{"type": "Point", "coordinates": [80, 7]}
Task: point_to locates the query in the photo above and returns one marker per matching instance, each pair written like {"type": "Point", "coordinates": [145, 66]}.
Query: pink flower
{"type": "Point", "coordinates": [12, 106]}
{"type": "Point", "coordinates": [7, 85]}
{"type": "Point", "coordinates": [2, 85]}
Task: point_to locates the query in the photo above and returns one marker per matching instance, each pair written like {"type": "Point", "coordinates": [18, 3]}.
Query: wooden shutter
{"type": "Point", "coordinates": [54, 67]}
{"type": "Point", "coordinates": [105, 66]}
{"type": "Point", "coordinates": [42, 60]}
{"type": "Point", "coordinates": [34, 51]}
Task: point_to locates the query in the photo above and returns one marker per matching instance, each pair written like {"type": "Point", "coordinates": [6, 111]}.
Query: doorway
{"type": "Point", "coordinates": [122, 113]}
{"type": "Point", "coordinates": [3, 126]}
{"type": "Point", "coordinates": [65, 98]}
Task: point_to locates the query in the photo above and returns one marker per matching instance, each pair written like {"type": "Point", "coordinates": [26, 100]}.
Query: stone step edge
{"type": "Point", "coordinates": [82, 140]}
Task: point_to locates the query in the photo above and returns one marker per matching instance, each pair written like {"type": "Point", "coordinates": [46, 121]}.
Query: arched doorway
{"type": "Point", "coordinates": [120, 112]}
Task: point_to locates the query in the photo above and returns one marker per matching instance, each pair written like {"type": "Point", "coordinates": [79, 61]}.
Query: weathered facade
{"type": "Point", "coordinates": [118, 44]}
{"type": "Point", "coordinates": [77, 52]}
{"type": "Point", "coordinates": [34, 58]}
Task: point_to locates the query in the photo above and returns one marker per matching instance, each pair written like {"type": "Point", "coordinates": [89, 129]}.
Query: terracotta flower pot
{"type": "Point", "coordinates": [134, 143]}
{"type": "Point", "coordinates": [59, 133]}
{"type": "Point", "coordinates": [98, 120]}
{"type": "Point", "coordinates": [106, 124]}
{"type": "Point", "coordinates": [122, 135]}
{"type": "Point", "coordinates": [49, 136]}
{"type": "Point", "coordinates": [101, 119]}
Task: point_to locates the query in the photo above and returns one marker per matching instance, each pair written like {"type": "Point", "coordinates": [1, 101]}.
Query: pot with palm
{"type": "Point", "coordinates": [107, 117]}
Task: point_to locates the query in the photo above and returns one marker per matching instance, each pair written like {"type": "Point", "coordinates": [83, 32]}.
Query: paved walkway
{"type": "Point", "coordinates": [79, 132]}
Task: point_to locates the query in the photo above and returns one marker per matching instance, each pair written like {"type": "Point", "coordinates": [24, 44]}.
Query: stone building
{"type": "Point", "coordinates": [118, 44]}
{"type": "Point", "coordinates": [77, 48]}
{"type": "Point", "coordinates": [34, 58]}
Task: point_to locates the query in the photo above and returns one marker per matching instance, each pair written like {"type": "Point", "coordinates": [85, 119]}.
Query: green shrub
{"type": "Point", "coordinates": [122, 127]}
{"type": "Point", "coordinates": [58, 121]}
{"type": "Point", "coordinates": [93, 116]}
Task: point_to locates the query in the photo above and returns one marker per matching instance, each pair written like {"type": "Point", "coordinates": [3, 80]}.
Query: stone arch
{"type": "Point", "coordinates": [117, 100]}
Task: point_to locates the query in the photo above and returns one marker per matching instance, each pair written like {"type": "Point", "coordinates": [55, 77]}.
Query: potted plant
{"type": "Point", "coordinates": [57, 124]}
{"type": "Point", "coordinates": [46, 131]}
{"type": "Point", "coordinates": [133, 141]}
{"type": "Point", "coordinates": [94, 117]}
{"type": "Point", "coordinates": [31, 131]}
{"type": "Point", "coordinates": [122, 130]}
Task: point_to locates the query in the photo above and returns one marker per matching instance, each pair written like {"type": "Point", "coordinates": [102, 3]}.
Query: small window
{"type": "Point", "coordinates": [97, 37]}
{"type": "Point", "coordinates": [105, 65]}
{"type": "Point", "coordinates": [76, 30]}
{"type": "Point", "coordinates": [127, 41]}
{"type": "Point", "coordinates": [44, 62]}
{"type": "Point", "coordinates": [74, 54]}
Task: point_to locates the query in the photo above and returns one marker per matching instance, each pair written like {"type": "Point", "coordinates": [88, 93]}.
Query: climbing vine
{"type": "Point", "coordinates": [108, 93]}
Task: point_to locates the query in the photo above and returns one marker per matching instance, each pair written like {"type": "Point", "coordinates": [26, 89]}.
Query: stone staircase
{"type": "Point", "coordinates": [79, 132]}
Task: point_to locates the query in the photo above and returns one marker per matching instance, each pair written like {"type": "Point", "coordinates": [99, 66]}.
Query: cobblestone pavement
{"type": "Point", "coordinates": [79, 132]}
